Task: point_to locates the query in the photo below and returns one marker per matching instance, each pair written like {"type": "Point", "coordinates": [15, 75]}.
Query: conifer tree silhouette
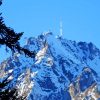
{"type": "Point", "coordinates": [11, 39]}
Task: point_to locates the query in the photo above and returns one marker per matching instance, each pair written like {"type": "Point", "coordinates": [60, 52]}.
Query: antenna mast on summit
{"type": "Point", "coordinates": [61, 29]}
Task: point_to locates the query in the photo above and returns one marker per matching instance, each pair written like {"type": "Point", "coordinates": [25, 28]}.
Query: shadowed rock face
{"type": "Point", "coordinates": [84, 86]}
{"type": "Point", "coordinates": [57, 72]}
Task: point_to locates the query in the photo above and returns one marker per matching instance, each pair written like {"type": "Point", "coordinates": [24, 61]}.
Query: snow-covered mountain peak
{"type": "Point", "coordinates": [58, 63]}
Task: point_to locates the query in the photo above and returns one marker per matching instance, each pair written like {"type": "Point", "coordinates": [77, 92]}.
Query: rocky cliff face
{"type": "Point", "coordinates": [62, 69]}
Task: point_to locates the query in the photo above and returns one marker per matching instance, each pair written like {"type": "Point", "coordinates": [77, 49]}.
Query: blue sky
{"type": "Point", "coordinates": [81, 18]}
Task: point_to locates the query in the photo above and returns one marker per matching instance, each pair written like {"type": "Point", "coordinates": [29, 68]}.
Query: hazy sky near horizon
{"type": "Point", "coordinates": [81, 18]}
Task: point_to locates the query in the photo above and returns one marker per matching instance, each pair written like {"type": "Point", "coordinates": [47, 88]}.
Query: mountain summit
{"type": "Point", "coordinates": [62, 69]}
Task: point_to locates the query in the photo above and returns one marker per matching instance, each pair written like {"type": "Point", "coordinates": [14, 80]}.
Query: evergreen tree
{"type": "Point", "coordinates": [11, 39]}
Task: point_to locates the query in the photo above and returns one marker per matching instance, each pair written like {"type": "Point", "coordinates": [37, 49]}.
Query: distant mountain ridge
{"type": "Point", "coordinates": [62, 69]}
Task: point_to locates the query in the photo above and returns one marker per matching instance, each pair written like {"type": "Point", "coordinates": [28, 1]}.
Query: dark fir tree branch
{"type": "Point", "coordinates": [10, 38]}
